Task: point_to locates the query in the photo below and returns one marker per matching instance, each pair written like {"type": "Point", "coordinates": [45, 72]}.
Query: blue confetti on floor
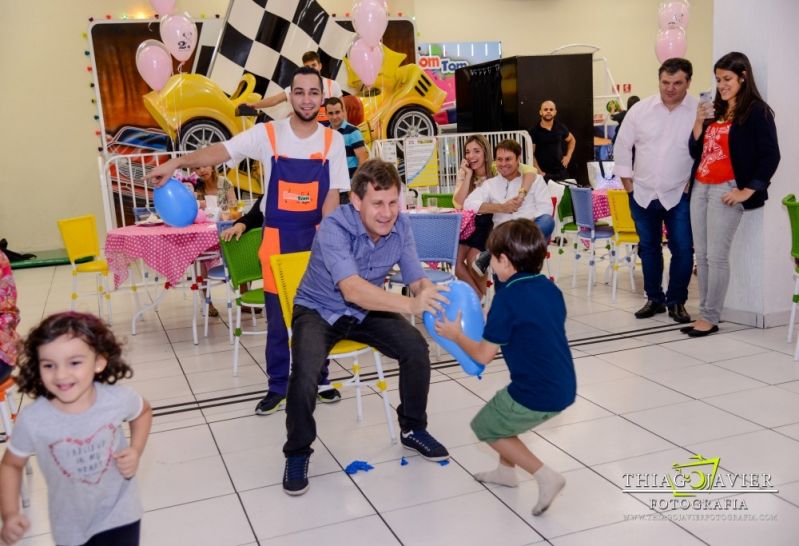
{"type": "Point", "coordinates": [445, 462]}
{"type": "Point", "coordinates": [355, 466]}
{"type": "Point", "coordinates": [403, 461]}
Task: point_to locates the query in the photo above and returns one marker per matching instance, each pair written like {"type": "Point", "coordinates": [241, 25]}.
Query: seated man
{"type": "Point", "coordinates": [504, 197]}
{"type": "Point", "coordinates": [341, 297]}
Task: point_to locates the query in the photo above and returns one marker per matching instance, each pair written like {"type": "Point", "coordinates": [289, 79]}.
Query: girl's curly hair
{"type": "Point", "coordinates": [87, 327]}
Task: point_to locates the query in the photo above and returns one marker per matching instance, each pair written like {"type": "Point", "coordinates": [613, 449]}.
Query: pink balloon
{"type": "Point", "coordinates": [673, 14]}
{"type": "Point", "coordinates": [370, 19]}
{"type": "Point", "coordinates": [179, 35]}
{"type": "Point", "coordinates": [163, 7]}
{"type": "Point", "coordinates": [154, 63]}
{"type": "Point", "coordinates": [366, 61]}
{"type": "Point", "coordinates": [670, 43]}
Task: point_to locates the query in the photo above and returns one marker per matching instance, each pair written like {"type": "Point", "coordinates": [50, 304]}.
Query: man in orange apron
{"type": "Point", "coordinates": [306, 168]}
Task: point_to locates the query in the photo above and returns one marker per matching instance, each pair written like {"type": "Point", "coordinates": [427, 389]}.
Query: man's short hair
{"type": "Point", "coordinates": [334, 100]}
{"type": "Point", "coordinates": [511, 146]}
{"type": "Point", "coordinates": [309, 56]}
{"type": "Point", "coordinates": [522, 242]}
{"type": "Point", "coordinates": [676, 64]}
{"type": "Point", "coordinates": [303, 70]}
{"type": "Point", "coordinates": [382, 175]}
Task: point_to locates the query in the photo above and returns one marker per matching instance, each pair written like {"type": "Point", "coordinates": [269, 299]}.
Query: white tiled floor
{"type": "Point", "coordinates": [647, 398]}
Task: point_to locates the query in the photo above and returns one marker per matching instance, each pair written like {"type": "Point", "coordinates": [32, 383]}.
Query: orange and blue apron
{"type": "Point", "coordinates": [297, 190]}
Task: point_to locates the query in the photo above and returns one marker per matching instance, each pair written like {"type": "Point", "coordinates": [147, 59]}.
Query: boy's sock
{"type": "Point", "coordinates": [502, 475]}
{"type": "Point", "coordinates": [549, 485]}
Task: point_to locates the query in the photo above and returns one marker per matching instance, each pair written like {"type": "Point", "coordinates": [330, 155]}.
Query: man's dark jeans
{"type": "Point", "coordinates": [312, 338]}
{"type": "Point", "coordinates": [649, 225]}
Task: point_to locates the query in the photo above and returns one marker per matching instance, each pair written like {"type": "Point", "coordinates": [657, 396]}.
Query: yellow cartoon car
{"type": "Point", "coordinates": [194, 112]}
{"type": "Point", "coordinates": [401, 103]}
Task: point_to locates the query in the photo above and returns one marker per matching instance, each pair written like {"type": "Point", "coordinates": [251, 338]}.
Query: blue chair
{"type": "Point", "coordinates": [218, 275]}
{"type": "Point", "coordinates": [588, 231]}
{"type": "Point", "coordinates": [141, 213]}
{"type": "Point", "coordinates": [436, 237]}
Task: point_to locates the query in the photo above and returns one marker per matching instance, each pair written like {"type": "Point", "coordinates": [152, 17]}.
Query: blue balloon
{"type": "Point", "coordinates": [175, 204]}
{"type": "Point", "coordinates": [461, 298]}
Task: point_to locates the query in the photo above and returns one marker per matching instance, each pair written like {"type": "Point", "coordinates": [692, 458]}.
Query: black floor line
{"type": "Point", "coordinates": [252, 396]}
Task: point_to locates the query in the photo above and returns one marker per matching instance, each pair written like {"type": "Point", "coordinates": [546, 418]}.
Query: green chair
{"type": "Point", "coordinates": [444, 199]}
{"type": "Point", "coordinates": [244, 267]}
{"type": "Point", "coordinates": [793, 215]}
{"type": "Point", "coordinates": [568, 227]}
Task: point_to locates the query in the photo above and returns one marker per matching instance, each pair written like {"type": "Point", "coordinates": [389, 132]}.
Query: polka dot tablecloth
{"type": "Point", "coordinates": [599, 200]}
{"type": "Point", "coordinates": [167, 250]}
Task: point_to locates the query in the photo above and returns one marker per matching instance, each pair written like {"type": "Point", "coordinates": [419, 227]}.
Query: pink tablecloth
{"type": "Point", "coordinates": [599, 200]}
{"type": "Point", "coordinates": [167, 250]}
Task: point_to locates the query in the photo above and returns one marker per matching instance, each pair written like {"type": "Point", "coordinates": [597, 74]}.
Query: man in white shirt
{"type": "Point", "coordinates": [659, 127]}
{"type": "Point", "coordinates": [305, 168]}
{"type": "Point", "coordinates": [504, 197]}
{"type": "Point", "coordinates": [330, 88]}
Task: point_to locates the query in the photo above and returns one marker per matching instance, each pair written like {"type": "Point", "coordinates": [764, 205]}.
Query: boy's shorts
{"type": "Point", "coordinates": [502, 417]}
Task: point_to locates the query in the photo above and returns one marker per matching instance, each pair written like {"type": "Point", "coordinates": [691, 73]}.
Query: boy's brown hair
{"type": "Point", "coordinates": [522, 242]}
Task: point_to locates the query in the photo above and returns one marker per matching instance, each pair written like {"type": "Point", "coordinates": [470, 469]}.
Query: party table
{"type": "Point", "coordinates": [169, 251]}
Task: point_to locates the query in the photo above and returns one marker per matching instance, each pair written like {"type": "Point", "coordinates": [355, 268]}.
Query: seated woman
{"type": "Point", "coordinates": [209, 184]}
{"type": "Point", "coordinates": [476, 167]}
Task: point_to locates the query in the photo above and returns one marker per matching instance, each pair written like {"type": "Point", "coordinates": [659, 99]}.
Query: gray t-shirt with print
{"type": "Point", "coordinates": [86, 492]}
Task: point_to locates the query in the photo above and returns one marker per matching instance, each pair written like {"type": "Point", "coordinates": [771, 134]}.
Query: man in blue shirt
{"type": "Point", "coordinates": [353, 139]}
{"type": "Point", "coordinates": [341, 297]}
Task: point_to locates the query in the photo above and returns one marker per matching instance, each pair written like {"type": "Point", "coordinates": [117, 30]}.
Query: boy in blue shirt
{"type": "Point", "coordinates": [527, 318]}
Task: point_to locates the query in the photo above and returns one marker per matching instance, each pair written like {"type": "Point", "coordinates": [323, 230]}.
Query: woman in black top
{"type": "Point", "coordinates": [734, 145]}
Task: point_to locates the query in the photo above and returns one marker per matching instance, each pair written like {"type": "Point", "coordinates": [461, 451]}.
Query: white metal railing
{"type": "Point", "coordinates": [450, 152]}
{"type": "Point", "coordinates": [123, 187]}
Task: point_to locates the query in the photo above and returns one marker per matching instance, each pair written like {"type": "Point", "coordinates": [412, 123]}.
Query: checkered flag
{"type": "Point", "coordinates": [267, 39]}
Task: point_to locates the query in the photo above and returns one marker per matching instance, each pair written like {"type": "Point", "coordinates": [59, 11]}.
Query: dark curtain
{"type": "Point", "coordinates": [486, 90]}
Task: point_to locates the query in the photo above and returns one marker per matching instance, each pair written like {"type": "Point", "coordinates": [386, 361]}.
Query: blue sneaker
{"type": "Point", "coordinates": [295, 475]}
{"type": "Point", "coordinates": [424, 444]}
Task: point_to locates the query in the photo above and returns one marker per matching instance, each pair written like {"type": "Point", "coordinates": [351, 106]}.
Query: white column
{"type": "Point", "coordinates": [761, 281]}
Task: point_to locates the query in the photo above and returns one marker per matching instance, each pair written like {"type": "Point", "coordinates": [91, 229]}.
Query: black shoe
{"type": "Point", "coordinates": [423, 443]}
{"type": "Point", "coordinates": [650, 309]}
{"type": "Point", "coordinates": [329, 396]}
{"type": "Point", "coordinates": [480, 264]}
{"type": "Point", "coordinates": [703, 333]}
{"type": "Point", "coordinates": [295, 475]}
{"type": "Point", "coordinates": [686, 329]}
{"type": "Point", "coordinates": [270, 403]}
{"type": "Point", "coordinates": [679, 314]}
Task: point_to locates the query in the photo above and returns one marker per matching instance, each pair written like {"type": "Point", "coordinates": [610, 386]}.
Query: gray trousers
{"type": "Point", "coordinates": [714, 225]}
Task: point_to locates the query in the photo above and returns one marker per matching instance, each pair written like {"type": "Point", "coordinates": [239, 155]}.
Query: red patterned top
{"type": "Point", "coordinates": [716, 166]}
{"type": "Point", "coordinates": [9, 314]}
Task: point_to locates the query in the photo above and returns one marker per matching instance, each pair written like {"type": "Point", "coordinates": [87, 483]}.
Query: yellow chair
{"type": "Point", "coordinates": [624, 234]}
{"type": "Point", "coordinates": [288, 270]}
{"type": "Point", "coordinates": [80, 239]}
